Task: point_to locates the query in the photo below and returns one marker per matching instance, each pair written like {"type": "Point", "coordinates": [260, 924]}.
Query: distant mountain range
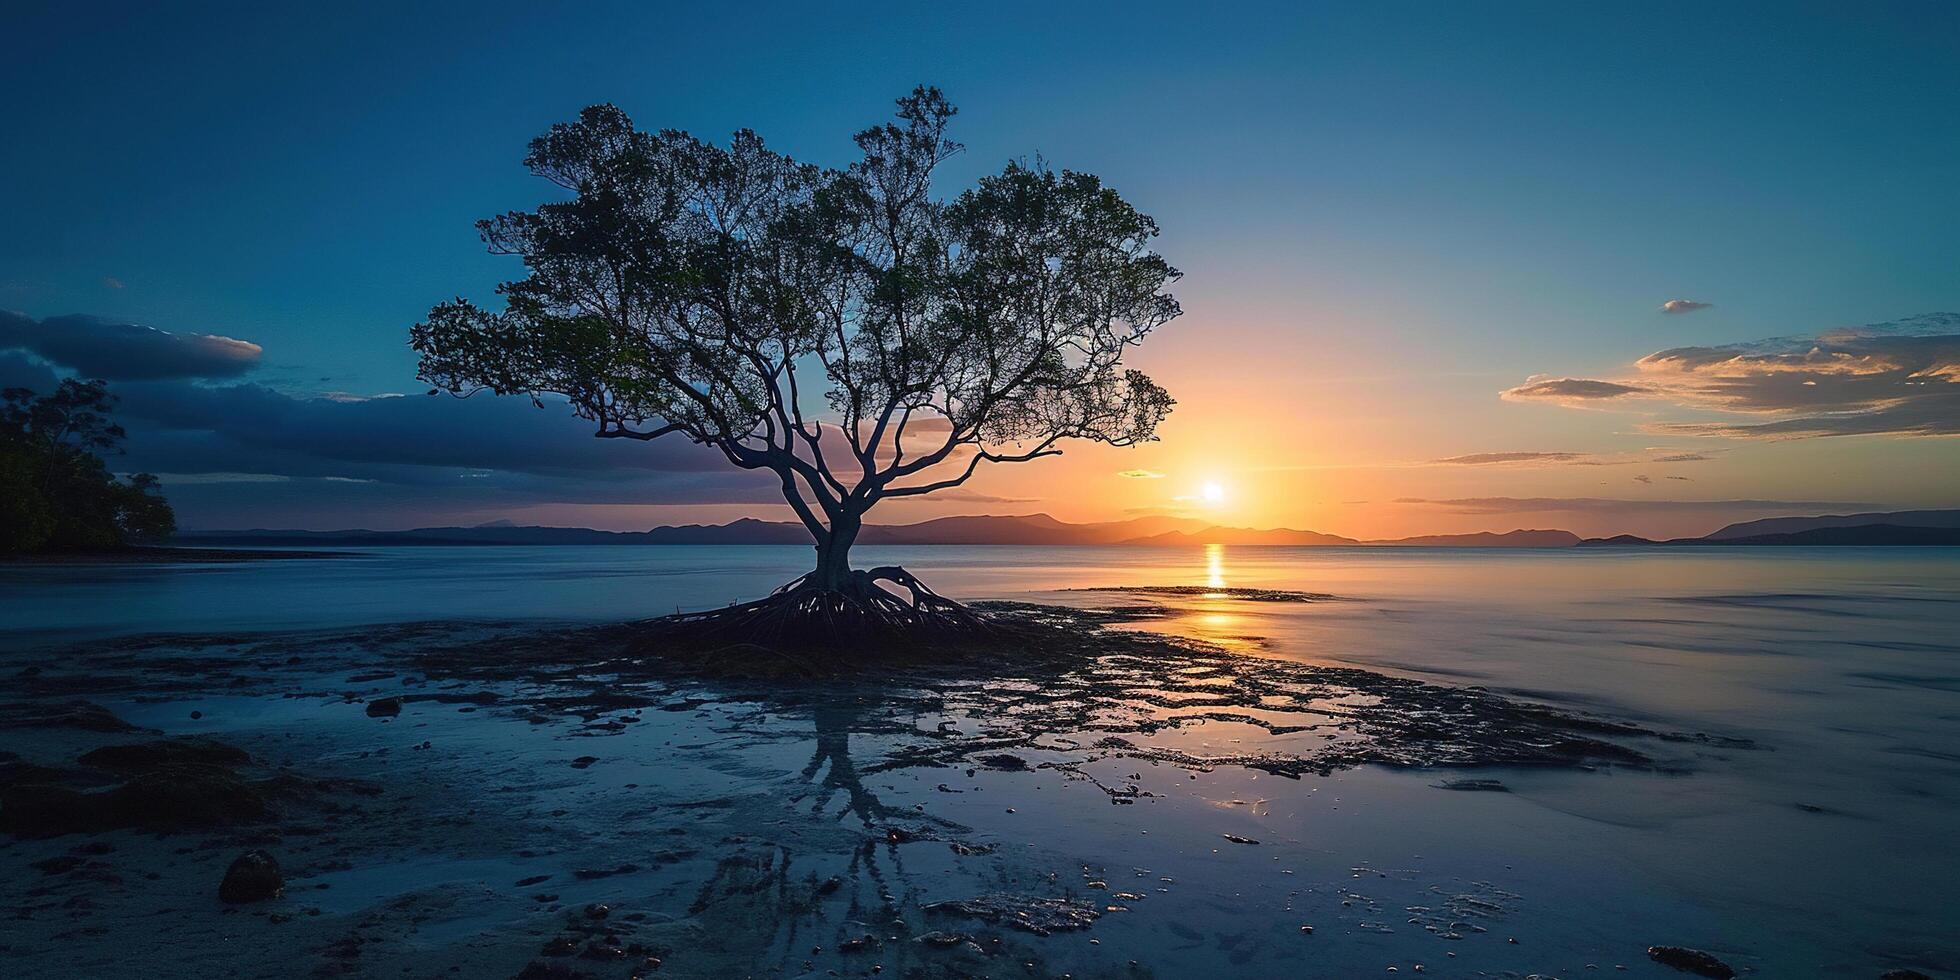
{"type": "Point", "coordinates": [1793, 525]}
{"type": "Point", "coordinates": [1906, 527]}
{"type": "Point", "coordinates": [1920, 527]}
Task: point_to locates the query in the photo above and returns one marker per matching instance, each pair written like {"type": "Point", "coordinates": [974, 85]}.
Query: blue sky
{"type": "Point", "coordinates": [1406, 208]}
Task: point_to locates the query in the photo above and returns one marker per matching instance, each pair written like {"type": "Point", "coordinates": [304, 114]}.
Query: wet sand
{"type": "Point", "coordinates": [503, 800]}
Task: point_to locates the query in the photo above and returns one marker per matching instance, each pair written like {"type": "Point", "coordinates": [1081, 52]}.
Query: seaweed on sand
{"type": "Point", "coordinates": [1055, 680]}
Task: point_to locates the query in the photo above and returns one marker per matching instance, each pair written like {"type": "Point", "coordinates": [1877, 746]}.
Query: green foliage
{"type": "Point", "coordinates": [56, 494]}
{"type": "Point", "coordinates": [733, 295]}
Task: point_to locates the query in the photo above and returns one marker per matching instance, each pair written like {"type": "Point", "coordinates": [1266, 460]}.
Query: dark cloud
{"type": "Point", "coordinates": [1683, 458]}
{"type": "Point", "coordinates": [1899, 378]}
{"type": "Point", "coordinates": [1516, 505]}
{"type": "Point", "coordinates": [1678, 306]}
{"type": "Point", "coordinates": [97, 348]}
{"type": "Point", "coordinates": [1572, 389]}
{"type": "Point", "coordinates": [251, 421]}
{"type": "Point", "coordinates": [1482, 459]}
{"type": "Point", "coordinates": [213, 501]}
{"type": "Point", "coordinates": [245, 454]}
{"type": "Point", "coordinates": [20, 371]}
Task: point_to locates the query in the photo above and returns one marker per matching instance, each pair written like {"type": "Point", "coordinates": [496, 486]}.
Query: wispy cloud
{"type": "Point", "coordinates": [1678, 306]}
{"type": "Point", "coordinates": [1141, 475]}
{"type": "Point", "coordinates": [964, 495]}
{"type": "Point", "coordinates": [1528, 459]}
{"type": "Point", "coordinates": [1486, 459]}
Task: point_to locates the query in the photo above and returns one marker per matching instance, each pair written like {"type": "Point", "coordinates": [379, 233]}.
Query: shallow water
{"type": "Point", "coordinates": [1827, 850]}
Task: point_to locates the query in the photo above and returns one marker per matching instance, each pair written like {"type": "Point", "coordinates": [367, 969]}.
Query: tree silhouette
{"type": "Point", "coordinates": [56, 493]}
{"type": "Point", "coordinates": [846, 330]}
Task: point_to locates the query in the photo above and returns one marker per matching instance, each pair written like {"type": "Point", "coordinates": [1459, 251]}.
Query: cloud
{"type": "Point", "coordinates": [1527, 459]}
{"type": "Point", "coordinates": [1517, 505]}
{"type": "Point", "coordinates": [251, 428]}
{"type": "Point", "coordinates": [112, 282]}
{"type": "Point", "coordinates": [1899, 378]}
{"type": "Point", "coordinates": [98, 348]}
{"type": "Point", "coordinates": [1141, 475]}
{"type": "Point", "coordinates": [1572, 389]}
{"type": "Point", "coordinates": [964, 495]}
{"type": "Point", "coordinates": [1678, 306]}
{"type": "Point", "coordinates": [20, 371]}
{"type": "Point", "coordinates": [1643, 478]}
{"type": "Point", "coordinates": [1484, 459]}
{"type": "Point", "coordinates": [199, 479]}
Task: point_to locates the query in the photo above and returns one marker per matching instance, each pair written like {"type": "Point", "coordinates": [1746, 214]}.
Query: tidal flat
{"type": "Point", "coordinates": [1175, 779]}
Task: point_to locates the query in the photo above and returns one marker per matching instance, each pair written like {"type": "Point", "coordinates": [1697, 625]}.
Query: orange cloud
{"type": "Point", "coordinates": [1900, 378]}
{"type": "Point", "coordinates": [1571, 390]}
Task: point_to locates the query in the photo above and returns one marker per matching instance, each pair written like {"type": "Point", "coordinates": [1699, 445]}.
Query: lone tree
{"type": "Point", "coordinates": [846, 330]}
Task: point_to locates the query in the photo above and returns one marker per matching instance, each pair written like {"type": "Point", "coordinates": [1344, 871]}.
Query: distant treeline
{"type": "Point", "coordinates": [56, 493]}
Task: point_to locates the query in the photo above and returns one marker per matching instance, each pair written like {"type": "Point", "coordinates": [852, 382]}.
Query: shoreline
{"type": "Point", "coordinates": [167, 555]}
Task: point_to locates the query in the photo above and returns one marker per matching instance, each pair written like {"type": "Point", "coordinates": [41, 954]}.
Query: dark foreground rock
{"type": "Point", "coordinates": [162, 785]}
{"type": "Point", "coordinates": [253, 877]}
{"type": "Point", "coordinates": [149, 756]}
{"type": "Point", "coordinates": [169, 784]}
{"type": "Point", "coordinates": [84, 715]}
{"type": "Point", "coordinates": [170, 798]}
{"type": "Point", "coordinates": [1691, 961]}
{"type": "Point", "coordinates": [384, 707]}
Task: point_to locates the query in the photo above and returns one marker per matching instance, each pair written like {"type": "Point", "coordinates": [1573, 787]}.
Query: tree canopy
{"type": "Point", "coordinates": [849, 330]}
{"type": "Point", "coordinates": [56, 493]}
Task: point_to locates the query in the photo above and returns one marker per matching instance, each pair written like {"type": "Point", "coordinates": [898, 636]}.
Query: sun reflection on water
{"type": "Point", "coordinates": [1212, 620]}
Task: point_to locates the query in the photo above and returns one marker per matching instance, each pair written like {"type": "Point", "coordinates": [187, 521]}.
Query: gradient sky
{"type": "Point", "coordinates": [1388, 218]}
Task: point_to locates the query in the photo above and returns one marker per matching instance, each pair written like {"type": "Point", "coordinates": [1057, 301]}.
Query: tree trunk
{"type": "Point", "coordinates": [833, 572]}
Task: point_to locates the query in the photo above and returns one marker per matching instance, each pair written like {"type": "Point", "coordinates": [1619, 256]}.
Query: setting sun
{"type": "Point", "coordinates": [1212, 493]}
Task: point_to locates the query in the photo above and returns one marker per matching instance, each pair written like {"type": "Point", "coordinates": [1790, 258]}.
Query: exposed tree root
{"type": "Point", "coordinates": [858, 616]}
